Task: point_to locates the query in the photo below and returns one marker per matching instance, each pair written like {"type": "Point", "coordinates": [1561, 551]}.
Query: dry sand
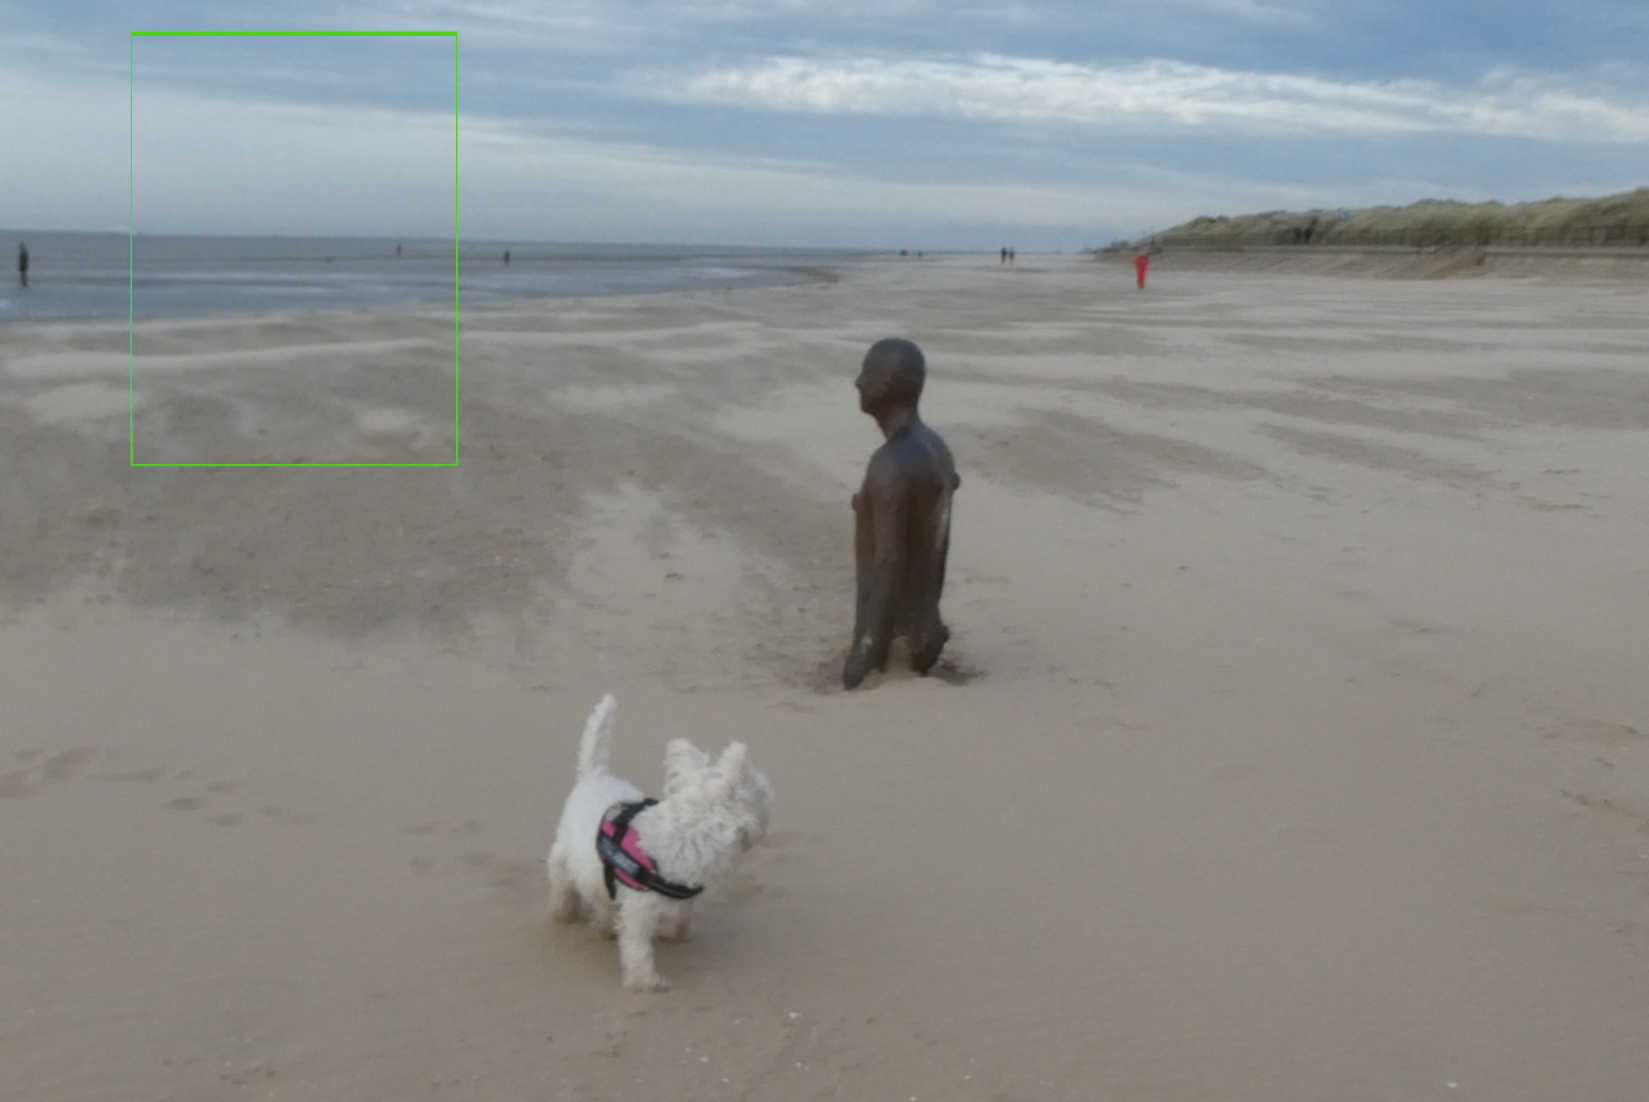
{"type": "Point", "coordinates": [1291, 744]}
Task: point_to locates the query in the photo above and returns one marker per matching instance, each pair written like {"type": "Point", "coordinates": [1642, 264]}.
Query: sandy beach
{"type": "Point", "coordinates": [1292, 744]}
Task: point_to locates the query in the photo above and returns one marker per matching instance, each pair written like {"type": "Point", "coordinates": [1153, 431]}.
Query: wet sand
{"type": "Point", "coordinates": [1292, 743]}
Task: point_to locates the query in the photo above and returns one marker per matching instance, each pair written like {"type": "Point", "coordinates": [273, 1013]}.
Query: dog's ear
{"type": "Point", "coordinates": [731, 766]}
{"type": "Point", "coordinates": [681, 760]}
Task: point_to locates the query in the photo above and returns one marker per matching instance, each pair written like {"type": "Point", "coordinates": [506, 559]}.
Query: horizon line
{"type": "Point", "coordinates": [506, 241]}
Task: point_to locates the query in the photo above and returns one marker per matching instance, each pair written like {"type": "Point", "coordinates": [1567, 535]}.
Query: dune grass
{"type": "Point", "coordinates": [1615, 220]}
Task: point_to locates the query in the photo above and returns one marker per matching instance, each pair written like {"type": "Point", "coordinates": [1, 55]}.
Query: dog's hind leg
{"type": "Point", "coordinates": [563, 899]}
{"type": "Point", "coordinates": [603, 915]}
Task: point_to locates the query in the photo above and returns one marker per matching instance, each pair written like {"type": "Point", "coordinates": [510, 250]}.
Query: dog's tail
{"type": "Point", "coordinates": [595, 748]}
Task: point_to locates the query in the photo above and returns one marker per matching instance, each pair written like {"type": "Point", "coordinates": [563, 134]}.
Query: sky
{"type": "Point", "coordinates": [839, 123]}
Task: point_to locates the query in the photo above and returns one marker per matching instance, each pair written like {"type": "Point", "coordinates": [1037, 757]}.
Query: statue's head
{"type": "Point", "coordinates": [892, 376]}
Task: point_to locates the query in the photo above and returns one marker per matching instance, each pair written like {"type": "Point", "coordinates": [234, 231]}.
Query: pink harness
{"type": "Point", "coordinates": [624, 861]}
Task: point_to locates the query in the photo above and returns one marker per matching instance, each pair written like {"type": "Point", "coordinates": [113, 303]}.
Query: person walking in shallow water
{"type": "Point", "coordinates": [23, 264]}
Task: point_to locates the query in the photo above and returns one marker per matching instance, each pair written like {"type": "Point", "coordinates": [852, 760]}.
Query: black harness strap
{"type": "Point", "coordinates": [615, 859]}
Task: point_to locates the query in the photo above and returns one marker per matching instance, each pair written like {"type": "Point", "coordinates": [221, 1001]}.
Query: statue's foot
{"type": "Point", "coordinates": [854, 670]}
{"type": "Point", "coordinates": [924, 657]}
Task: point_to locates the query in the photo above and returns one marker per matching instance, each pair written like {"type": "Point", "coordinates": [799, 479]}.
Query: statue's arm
{"type": "Point", "coordinates": [862, 549]}
{"type": "Point", "coordinates": [880, 527]}
{"type": "Point", "coordinates": [890, 525]}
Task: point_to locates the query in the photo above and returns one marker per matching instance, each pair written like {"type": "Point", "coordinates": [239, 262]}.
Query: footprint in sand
{"type": "Point", "coordinates": [69, 764]}
{"type": "Point", "coordinates": [1634, 816]}
{"type": "Point", "coordinates": [461, 829]}
{"type": "Point", "coordinates": [1597, 731]}
{"type": "Point", "coordinates": [59, 768]}
{"type": "Point", "coordinates": [280, 814]}
{"type": "Point", "coordinates": [42, 772]}
{"type": "Point", "coordinates": [133, 776]}
{"type": "Point", "coordinates": [208, 797]}
{"type": "Point", "coordinates": [514, 880]}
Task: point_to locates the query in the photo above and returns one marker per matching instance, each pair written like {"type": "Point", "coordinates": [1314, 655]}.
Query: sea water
{"type": "Point", "coordinates": [102, 275]}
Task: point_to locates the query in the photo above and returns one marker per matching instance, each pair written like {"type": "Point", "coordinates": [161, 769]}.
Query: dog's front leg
{"type": "Point", "coordinates": [638, 918]}
{"type": "Point", "coordinates": [676, 923]}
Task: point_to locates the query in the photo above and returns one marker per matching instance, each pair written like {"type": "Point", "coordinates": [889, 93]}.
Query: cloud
{"type": "Point", "coordinates": [210, 163]}
{"type": "Point", "coordinates": [681, 18]}
{"type": "Point", "coordinates": [1172, 93]}
{"type": "Point", "coordinates": [207, 165]}
{"type": "Point", "coordinates": [570, 23]}
{"type": "Point", "coordinates": [1296, 14]}
{"type": "Point", "coordinates": [636, 192]}
{"type": "Point", "coordinates": [224, 166]}
{"type": "Point", "coordinates": [78, 153]}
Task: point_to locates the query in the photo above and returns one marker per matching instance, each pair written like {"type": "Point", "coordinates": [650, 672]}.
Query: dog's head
{"type": "Point", "coordinates": [684, 767]}
{"type": "Point", "coordinates": [729, 782]}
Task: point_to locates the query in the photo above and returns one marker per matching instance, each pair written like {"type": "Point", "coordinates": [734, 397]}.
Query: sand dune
{"type": "Point", "coordinates": [1292, 744]}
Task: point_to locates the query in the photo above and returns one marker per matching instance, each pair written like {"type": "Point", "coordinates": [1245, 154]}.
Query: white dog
{"type": "Point", "coordinates": [635, 864]}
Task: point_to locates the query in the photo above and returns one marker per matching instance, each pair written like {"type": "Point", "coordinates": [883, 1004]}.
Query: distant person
{"type": "Point", "coordinates": [506, 256]}
{"type": "Point", "coordinates": [1011, 254]}
{"type": "Point", "coordinates": [23, 264]}
{"type": "Point", "coordinates": [397, 250]}
{"type": "Point", "coordinates": [1004, 259]}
